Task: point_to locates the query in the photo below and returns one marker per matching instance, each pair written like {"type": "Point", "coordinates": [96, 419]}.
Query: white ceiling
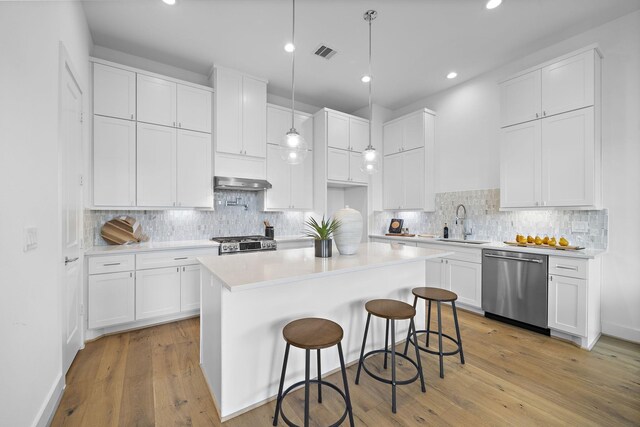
{"type": "Point", "coordinates": [415, 42]}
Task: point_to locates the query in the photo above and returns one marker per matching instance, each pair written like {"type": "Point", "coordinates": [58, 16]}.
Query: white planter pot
{"type": "Point", "coordinates": [349, 234]}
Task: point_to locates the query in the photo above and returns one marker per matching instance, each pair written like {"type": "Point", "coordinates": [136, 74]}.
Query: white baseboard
{"type": "Point", "coordinates": [49, 406]}
{"type": "Point", "coordinates": [620, 331]}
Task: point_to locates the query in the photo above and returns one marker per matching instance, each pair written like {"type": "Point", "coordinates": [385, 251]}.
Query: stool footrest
{"type": "Point", "coordinates": [427, 350]}
{"type": "Point", "coordinates": [324, 383]}
{"type": "Point", "coordinates": [384, 380]}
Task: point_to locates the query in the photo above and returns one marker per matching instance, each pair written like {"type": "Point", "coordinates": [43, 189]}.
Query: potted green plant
{"type": "Point", "coordinates": [322, 233]}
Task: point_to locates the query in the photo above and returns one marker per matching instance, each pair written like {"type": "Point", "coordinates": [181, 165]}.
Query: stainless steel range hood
{"type": "Point", "coordinates": [243, 184]}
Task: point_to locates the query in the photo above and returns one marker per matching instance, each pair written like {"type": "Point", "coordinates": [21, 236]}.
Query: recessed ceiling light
{"type": "Point", "coordinates": [492, 4]}
{"type": "Point", "coordinates": [289, 47]}
{"type": "Point", "coordinates": [365, 79]}
{"type": "Point", "coordinates": [452, 75]}
{"type": "Point", "coordinates": [170, 2]}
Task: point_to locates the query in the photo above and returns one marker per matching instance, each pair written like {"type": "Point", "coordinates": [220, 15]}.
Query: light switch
{"type": "Point", "coordinates": [579, 226]}
{"type": "Point", "coordinates": [30, 238]}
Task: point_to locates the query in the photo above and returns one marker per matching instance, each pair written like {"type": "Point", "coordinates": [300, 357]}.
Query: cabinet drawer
{"type": "Point", "coordinates": [111, 264]}
{"type": "Point", "coordinates": [568, 267]}
{"type": "Point", "coordinates": [459, 253]}
{"type": "Point", "coordinates": [171, 258]}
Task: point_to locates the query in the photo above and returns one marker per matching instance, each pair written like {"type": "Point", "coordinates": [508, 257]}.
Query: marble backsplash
{"type": "Point", "coordinates": [489, 223]}
{"type": "Point", "coordinates": [166, 225]}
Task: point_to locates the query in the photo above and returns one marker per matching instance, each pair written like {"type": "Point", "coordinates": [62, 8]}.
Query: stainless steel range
{"type": "Point", "coordinates": [232, 245]}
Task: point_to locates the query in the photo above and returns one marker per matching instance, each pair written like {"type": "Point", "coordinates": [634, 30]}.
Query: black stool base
{"type": "Point", "coordinates": [288, 422]}
{"type": "Point", "coordinates": [384, 380]}
{"type": "Point", "coordinates": [444, 353]}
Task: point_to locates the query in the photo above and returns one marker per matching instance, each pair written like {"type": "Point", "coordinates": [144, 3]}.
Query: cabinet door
{"type": "Point", "coordinates": [337, 164]}
{"type": "Point", "coordinates": [111, 299]}
{"type": "Point", "coordinates": [355, 173]}
{"type": "Point", "coordinates": [413, 179]}
{"type": "Point", "coordinates": [278, 124]}
{"type": "Point", "coordinates": [465, 279]}
{"type": "Point", "coordinates": [520, 99]}
{"type": "Point", "coordinates": [194, 108]}
{"type": "Point", "coordinates": [228, 111]}
{"type": "Point", "coordinates": [156, 101]}
{"type": "Point", "coordinates": [114, 92]}
{"type": "Point", "coordinates": [156, 171]}
{"type": "Point", "coordinates": [393, 182]}
{"type": "Point", "coordinates": [254, 117]}
{"type": "Point", "coordinates": [190, 288]}
{"type": "Point", "coordinates": [413, 132]}
{"type": "Point", "coordinates": [279, 175]}
{"type": "Point", "coordinates": [568, 156]}
{"type": "Point", "coordinates": [157, 292]}
{"type": "Point", "coordinates": [568, 84]}
{"type": "Point", "coordinates": [520, 165]}
{"type": "Point", "coordinates": [358, 134]}
{"type": "Point", "coordinates": [568, 305]}
{"type": "Point", "coordinates": [302, 184]}
{"type": "Point", "coordinates": [435, 277]}
{"type": "Point", "coordinates": [304, 125]}
{"type": "Point", "coordinates": [392, 137]}
{"type": "Point", "coordinates": [193, 169]}
{"type": "Point", "coordinates": [337, 131]}
{"type": "Point", "coordinates": [114, 162]}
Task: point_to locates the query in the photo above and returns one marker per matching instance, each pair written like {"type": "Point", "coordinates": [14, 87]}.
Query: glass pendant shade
{"type": "Point", "coordinates": [293, 148]}
{"type": "Point", "coordinates": [369, 162]}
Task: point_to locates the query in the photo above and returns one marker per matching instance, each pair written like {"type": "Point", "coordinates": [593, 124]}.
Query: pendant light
{"type": "Point", "coordinates": [293, 148]}
{"type": "Point", "coordinates": [369, 155]}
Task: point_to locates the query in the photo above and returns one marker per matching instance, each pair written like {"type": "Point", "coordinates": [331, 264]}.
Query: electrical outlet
{"type": "Point", "coordinates": [579, 226]}
{"type": "Point", "coordinates": [30, 238]}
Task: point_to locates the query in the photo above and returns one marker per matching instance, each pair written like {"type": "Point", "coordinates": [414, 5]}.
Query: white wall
{"type": "Point", "coordinates": [30, 325]}
{"type": "Point", "coordinates": [467, 154]}
{"type": "Point", "coordinates": [286, 102]}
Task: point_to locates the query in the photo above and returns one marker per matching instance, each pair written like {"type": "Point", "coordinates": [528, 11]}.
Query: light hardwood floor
{"type": "Point", "coordinates": [511, 377]}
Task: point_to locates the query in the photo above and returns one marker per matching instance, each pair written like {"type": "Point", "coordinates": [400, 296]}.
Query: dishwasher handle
{"type": "Point", "coordinates": [511, 258]}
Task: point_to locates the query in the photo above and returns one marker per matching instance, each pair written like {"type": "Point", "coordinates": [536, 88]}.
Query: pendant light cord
{"type": "Point", "coordinates": [293, 67]}
{"type": "Point", "coordinates": [370, 82]}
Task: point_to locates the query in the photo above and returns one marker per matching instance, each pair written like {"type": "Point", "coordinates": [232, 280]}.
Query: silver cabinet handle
{"type": "Point", "coordinates": [132, 117]}
{"type": "Point", "coordinates": [566, 267]}
{"type": "Point", "coordinates": [107, 265]}
{"type": "Point", "coordinates": [536, 115]}
{"type": "Point", "coordinates": [69, 260]}
{"type": "Point", "coordinates": [179, 124]}
{"type": "Point", "coordinates": [130, 274]}
{"type": "Point", "coordinates": [537, 203]}
{"type": "Point", "coordinates": [179, 258]}
{"type": "Point", "coordinates": [544, 113]}
{"type": "Point", "coordinates": [537, 261]}
{"type": "Point", "coordinates": [174, 124]}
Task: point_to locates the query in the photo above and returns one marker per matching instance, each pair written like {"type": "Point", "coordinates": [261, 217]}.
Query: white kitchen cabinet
{"type": "Point", "coordinates": [193, 169]}
{"type": "Point", "coordinates": [520, 99]}
{"type": "Point", "coordinates": [190, 288]}
{"type": "Point", "coordinates": [520, 165]}
{"type": "Point", "coordinates": [193, 110]}
{"type": "Point", "coordinates": [407, 132]}
{"type": "Point", "coordinates": [568, 304]}
{"type": "Point", "coordinates": [157, 292]}
{"type": "Point", "coordinates": [156, 100]}
{"type": "Point", "coordinates": [355, 173]}
{"type": "Point", "coordinates": [114, 162]}
{"type": "Point", "coordinates": [279, 123]}
{"type": "Point", "coordinates": [435, 273]}
{"type": "Point", "coordinates": [569, 84]}
{"type": "Point", "coordinates": [302, 184]}
{"type": "Point", "coordinates": [358, 134]}
{"type": "Point", "coordinates": [156, 160]}
{"type": "Point", "coordinates": [465, 279]}
{"type": "Point", "coordinates": [338, 164]}
{"type": "Point", "coordinates": [403, 186]}
{"type": "Point", "coordinates": [254, 117]}
{"type": "Point", "coordinates": [114, 92]}
{"type": "Point", "coordinates": [338, 131]}
{"type": "Point", "coordinates": [110, 299]}
{"type": "Point", "coordinates": [393, 182]}
{"type": "Point", "coordinates": [292, 184]}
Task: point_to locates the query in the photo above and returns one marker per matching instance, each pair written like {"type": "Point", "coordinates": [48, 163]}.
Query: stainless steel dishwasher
{"type": "Point", "coordinates": [514, 287]}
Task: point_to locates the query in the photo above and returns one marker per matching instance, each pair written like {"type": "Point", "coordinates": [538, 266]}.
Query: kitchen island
{"type": "Point", "coordinates": [248, 298]}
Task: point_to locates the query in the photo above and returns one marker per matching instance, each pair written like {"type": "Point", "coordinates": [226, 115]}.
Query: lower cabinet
{"type": "Point", "coordinates": [568, 304]}
{"type": "Point", "coordinates": [111, 299]}
{"type": "Point", "coordinates": [190, 288]}
{"type": "Point", "coordinates": [157, 292]}
{"type": "Point", "coordinates": [462, 277]}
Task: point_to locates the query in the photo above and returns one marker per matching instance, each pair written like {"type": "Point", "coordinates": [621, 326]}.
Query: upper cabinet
{"type": "Point", "coordinates": [550, 148]}
{"type": "Point", "coordinates": [279, 123]}
{"type": "Point", "coordinates": [193, 108]}
{"type": "Point", "coordinates": [553, 88]}
{"type": "Point", "coordinates": [408, 174]}
{"type": "Point", "coordinates": [114, 93]}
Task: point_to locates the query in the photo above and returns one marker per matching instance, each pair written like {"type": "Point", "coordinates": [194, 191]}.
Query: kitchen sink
{"type": "Point", "coordinates": [469, 242]}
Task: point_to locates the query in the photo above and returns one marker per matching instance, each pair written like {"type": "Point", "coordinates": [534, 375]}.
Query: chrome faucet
{"type": "Point", "coordinates": [462, 219]}
{"type": "Point", "coordinates": [237, 202]}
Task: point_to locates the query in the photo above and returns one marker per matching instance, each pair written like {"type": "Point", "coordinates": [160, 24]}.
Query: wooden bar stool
{"type": "Point", "coordinates": [312, 334]}
{"type": "Point", "coordinates": [438, 295]}
{"type": "Point", "coordinates": [391, 310]}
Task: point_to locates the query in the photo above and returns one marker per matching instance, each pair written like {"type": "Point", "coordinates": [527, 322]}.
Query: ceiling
{"type": "Point", "coordinates": [415, 42]}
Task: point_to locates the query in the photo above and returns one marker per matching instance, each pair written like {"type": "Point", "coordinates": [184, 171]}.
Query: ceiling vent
{"type": "Point", "coordinates": [324, 52]}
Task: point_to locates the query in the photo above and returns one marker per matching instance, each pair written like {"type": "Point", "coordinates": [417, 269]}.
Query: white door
{"type": "Point", "coordinates": [302, 184]}
{"type": "Point", "coordinates": [228, 111]}
{"type": "Point", "coordinates": [392, 137]}
{"type": "Point", "coordinates": [254, 117]}
{"type": "Point", "coordinates": [465, 279]}
{"type": "Point", "coordinates": [568, 156]}
{"type": "Point", "coordinates": [114, 92]}
{"type": "Point", "coordinates": [156, 160]}
{"type": "Point", "coordinates": [157, 292]}
{"type": "Point", "coordinates": [520, 99]}
{"type": "Point", "coordinates": [338, 131]}
{"type": "Point", "coordinates": [70, 166]}
{"type": "Point", "coordinates": [337, 164]}
{"type": "Point", "coordinates": [304, 125]}
{"type": "Point", "coordinates": [355, 173]}
{"type": "Point", "coordinates": [434, 277]}
{"type": "Point", "coordinates": [156, 101]}
{"type": "Point", "coordinates": [568, 305]}
{"type": "Point", "coordinates": [194, 108]}
{"type": "Point", "coordinates": [279, 175]}
{"type": "Point", "coordinates": [413, 131]}
{"type": "Point", "coordinates": [568, 84]}
{"type": "Point", "coordinates": [114, 162]}
{"type": "Point", "coordinates": [278, 124]}
{"type": "Point", "coordinates": [520, 165]}
{"type": "Point", "coordinates": [358, 134]}
{"type": "Point", "coordinates": [413, 178]}
{"type": "Point", "coordinates": [193, 169]}
{"type": "Point", "coordinates": [393, 182]}
{"type": "Point", "coordinates": [190, 288]}
{"type": "Point", "coordinates": [111, 299]}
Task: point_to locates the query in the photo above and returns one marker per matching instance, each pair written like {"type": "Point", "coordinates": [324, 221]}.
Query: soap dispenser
{"type": "Point", "coordinates": [445, 234]}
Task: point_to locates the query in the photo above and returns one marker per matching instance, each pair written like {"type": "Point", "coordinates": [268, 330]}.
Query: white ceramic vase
{"type": "Point", "coordinates": [349, 234]}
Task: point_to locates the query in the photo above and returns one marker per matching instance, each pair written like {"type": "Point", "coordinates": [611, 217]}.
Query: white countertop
{"type": "Point", "coordinates": [259, 269]}
{"type": "Point", "coordinates": [583, 253]}
{"type": "Point", "coordinates": [163, 246]}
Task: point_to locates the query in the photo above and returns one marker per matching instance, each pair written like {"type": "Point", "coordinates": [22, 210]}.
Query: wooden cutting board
{"type": "Point", "coordinates": [543, 246]}
{"type": "Point", "coordinates": [122, 230]}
